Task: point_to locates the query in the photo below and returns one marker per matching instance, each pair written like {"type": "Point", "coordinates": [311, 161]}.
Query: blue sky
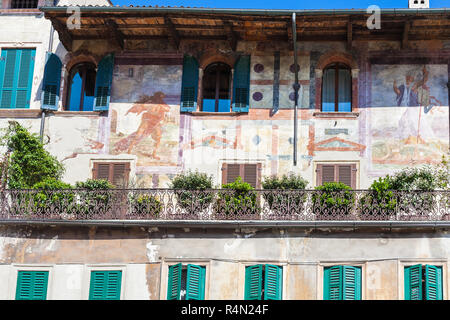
{"type": "Point", "coordinates": [281, 4]}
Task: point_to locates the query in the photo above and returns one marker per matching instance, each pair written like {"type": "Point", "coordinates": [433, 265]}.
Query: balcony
{"type": "Point", "coordinates": [222, 207]}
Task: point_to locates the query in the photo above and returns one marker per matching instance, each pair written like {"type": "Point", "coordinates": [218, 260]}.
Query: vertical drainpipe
{"type": "Point", "coordinates": [296, 84]}
{"type": "Point", "coordinates": [50, 48]}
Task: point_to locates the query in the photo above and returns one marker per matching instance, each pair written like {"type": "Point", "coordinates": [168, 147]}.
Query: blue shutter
{"type": "Point", "coordinates": [413, 282]}
{"type": "Point", "coordinates": [273, 282]}
{"type": "Point", "coordinates": [433, 283]}
{"type": "Point", "coordinates": [32, 285]}
{"type": "Point", "coordinates": [241, 84]}
{"type": "Point", "coordinates": [174, 285]}
{"type": "Point", "coordinates": [51, 84]}
{"type": "Point", "coordinates": [253, 282]}
{"type": "Point", "coordinates": [189, 85]}
{"type": "Point", "coordinates": [103, 83]}
{"type": "Point", "coordinates": [2, 73]}
{"type": "Point", "coordinates": [16, 72]}
{"type": "Point", "coordinates": [195, 284]}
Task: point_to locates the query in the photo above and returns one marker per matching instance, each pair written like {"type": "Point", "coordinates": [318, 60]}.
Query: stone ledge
{"type": "Point", "coordinates": [20, 113]}
{"type": "Point", "coordinates": [336, 115]}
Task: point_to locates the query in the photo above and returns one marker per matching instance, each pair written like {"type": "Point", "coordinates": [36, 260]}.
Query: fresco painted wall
{"type": "Point", "coordinates": [409, 114]}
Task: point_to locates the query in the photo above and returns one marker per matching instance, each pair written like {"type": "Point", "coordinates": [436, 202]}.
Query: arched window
{"type": "Point", "coordinates": [337, 88]}
{"type": "Point", "coordinates": [216, 84]}
{"type": "Point", "coordinates": [81, 92]}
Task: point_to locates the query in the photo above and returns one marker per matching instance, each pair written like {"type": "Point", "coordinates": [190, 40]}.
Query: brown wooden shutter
{"type": "Point", "coordinates": [251, 174]}
{"type": "Point", "coordinates": [354, 174]}
{"type": "Point", "coordinates": [101, 171]}
{"type": "Point", "coordinates": [120, 174]}
{"type": "Point", "coordinates": [345, 174]}
{"type": "Point", "coordinates": [233, 171]}
{"type": "Point", "coordinates": [115, 173]}
{"type": "Point", "coordinates": [328, 173]}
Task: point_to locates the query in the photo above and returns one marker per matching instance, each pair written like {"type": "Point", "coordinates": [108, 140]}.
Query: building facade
{"type": "Point", "coordinates": [137, 95]}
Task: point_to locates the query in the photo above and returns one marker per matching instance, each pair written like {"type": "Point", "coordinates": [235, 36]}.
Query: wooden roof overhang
{"type": "Point", "coordinates": [177, 23]}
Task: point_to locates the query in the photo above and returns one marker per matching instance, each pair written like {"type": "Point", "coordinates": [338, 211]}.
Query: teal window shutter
{"type": "Point", "coordinates": [189, 84]}
{"type": "Point", "coordinates": [433, 283]}
{"type": "Point", "coordinates": [351, 283]}
{"type": "Point", "coordinates": [16, 72]}
{"type": "Point", "coordinates": [333, 283]}
{"type": "Point", "coordinates": [103, 83]}
{"type": "Point", "coordinates": [273, 280]}
{"type": "Point", "coordinates": [241, 84]}
{"type": "Point", "coordinates": [32, 285]}
{"type": "Point", "coordinates": [253, 282]}
{"type": "Point", "coordinates": [413, 282]}
{"type": "Point", "coordinates": [195, 284]}
{"type": "Point", "coordinates": [174, 285]}
{"type": "Point", "coordinates": [105, 285]}
{"type": "Point", "coordinates": [51, 84]}
{"type": "Point", "coordinates": [342, 283]}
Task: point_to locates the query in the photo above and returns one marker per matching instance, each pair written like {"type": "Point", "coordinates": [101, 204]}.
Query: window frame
{"type": "Point", "coordinates": [95, 170]}
{"type": "Point", "coordinates": [165, 274]}
{"type": "Point", "coordinates": [217, 86]}
{"type": "Point", "coordinates": [83, 85]}
{"type": "Point", "coordinates": [321, 276]}
{"type": "Point", "coordinates": [411, 262]}
{"type": "Point", "coordinates": [263, 283]}
{"type": "Point", "coordinates": [14, 274]}
{"type": "Point", "coordinates": [86, 282]}
{"type": "Point", "coordinates": [224, 172]}
{"type": "Point", "coordinates": [354, 167]}
{"type": "Point", "coordinates": [337, 67]}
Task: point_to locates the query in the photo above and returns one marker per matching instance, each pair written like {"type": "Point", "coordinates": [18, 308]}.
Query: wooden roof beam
{"type": "Point", "coordinates": [231, 35]}
{"type": "Point", "coordinates": [63, 33]}
{"type": "Point", "coordinates": [349, 35]}
{"type": "Point", "coordinates": [173, 33]}
{"type": "Point", "coordinates": [115, 33]}
{"type": "Point", "coordinates": [405, 37]}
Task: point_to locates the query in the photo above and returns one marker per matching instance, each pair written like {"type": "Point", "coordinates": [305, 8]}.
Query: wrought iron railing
{"type": "Point", "coordinates": [215, 204]}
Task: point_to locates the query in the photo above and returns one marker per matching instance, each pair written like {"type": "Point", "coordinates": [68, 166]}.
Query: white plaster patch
{"type": "Point", "coordinates": [51, 246]}
{"type": "Point", "coordinates": [232, 245]}
{"type": "Point", "coordinates": [152, 252]}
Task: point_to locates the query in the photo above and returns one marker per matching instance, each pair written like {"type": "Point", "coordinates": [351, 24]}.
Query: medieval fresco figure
{"type": "Point", "coordinates": [408, 92]}
{"type": "Point", "coordinates": [153, 111]}
{"type": "Point", "coordinates": [414, 92]}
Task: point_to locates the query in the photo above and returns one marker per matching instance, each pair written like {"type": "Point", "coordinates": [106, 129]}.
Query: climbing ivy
{"type": "Point", "coordinates": [29, 163]}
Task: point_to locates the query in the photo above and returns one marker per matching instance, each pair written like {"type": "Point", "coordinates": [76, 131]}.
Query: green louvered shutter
{"type": "Point", "coordinates": [103, 82]}
{"type": "Point", "coordinates": [105, 285]}
{"type": "Point", "coordinates": [351, 283]}
{"type": "Point", "coordinates": [51, 84]}
{"type": "Point", "coordinates": [25, 78]}
{"type": "Point", "coordinates": [333, 283]}
{"type": "Point", "coordinates": [32, 285]}
{"type": "Point", "coordinates": [413, 282]}
{"type": "Point", "coordinates": [241, 84]}
{"type": "Point", "coordinates": [253, 282]}
{"type": "Point", "coordinates": [189, 85]}
{"type": "Point", "coordinates": [273, 282]}
{"type": "Point", "coordinates": [195, 284]}
{"type": "Point", "coordinates": [433, 283]}
{"type": "Point", "coordinates": [174, 285]}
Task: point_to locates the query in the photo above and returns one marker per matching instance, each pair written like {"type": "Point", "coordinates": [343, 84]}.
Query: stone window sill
{"type": "Point", "coordinates": [336, 115]}
{"type": "Point", "coordinates": [76, 113]}
{"type": "Point", "coordinates": [201, 113]}
{"type": "Point", "coordinates": [20, 113]}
